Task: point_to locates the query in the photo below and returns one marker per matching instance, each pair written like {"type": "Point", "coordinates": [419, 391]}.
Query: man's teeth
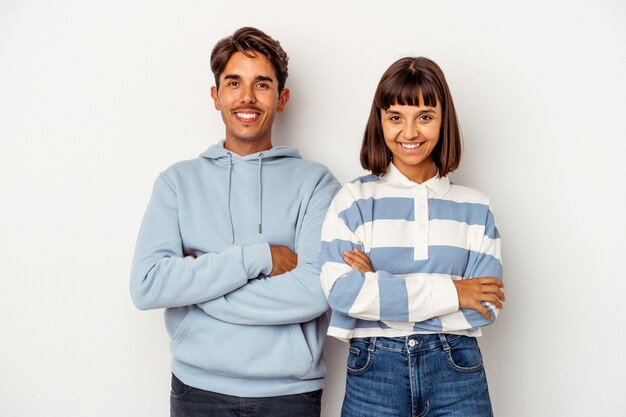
{"type": "Point", "coordinates": [247, 115]}
{"type": "Point", "coordinates": [411, 145]}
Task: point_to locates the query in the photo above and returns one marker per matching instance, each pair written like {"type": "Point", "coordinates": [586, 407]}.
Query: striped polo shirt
{"type": "Point", "coordinates": [419, 238]}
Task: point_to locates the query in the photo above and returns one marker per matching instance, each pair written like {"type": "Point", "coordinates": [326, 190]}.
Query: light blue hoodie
{"type": "Point", "coordinates": [203, 255]}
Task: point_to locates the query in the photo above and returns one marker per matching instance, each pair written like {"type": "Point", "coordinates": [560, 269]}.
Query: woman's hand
{"type": "Point", "coordinates": [358, 260]}
{"type": "Point", "coordinates": [473, 291]}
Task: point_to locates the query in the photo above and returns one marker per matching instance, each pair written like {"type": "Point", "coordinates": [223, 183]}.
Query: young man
{"type": "Point", "coordinates": [229, 246]}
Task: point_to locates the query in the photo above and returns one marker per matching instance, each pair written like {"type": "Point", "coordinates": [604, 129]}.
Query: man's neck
{"type": "Point", "coordinates": [243, 148]}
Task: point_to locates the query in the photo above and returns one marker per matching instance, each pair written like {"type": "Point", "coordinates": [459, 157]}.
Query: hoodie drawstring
{"type": "Point", "coordinates": [260, 196]}
{"type": "Point", "coordinates": [230, 215]}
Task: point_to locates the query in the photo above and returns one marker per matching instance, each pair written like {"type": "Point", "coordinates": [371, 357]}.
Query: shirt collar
{"type": "Point", "coordinates": [393, 176]}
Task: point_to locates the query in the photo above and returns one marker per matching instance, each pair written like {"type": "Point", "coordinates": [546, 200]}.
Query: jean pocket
{"type": "Point", "coordinates": [179, 388]}
{"type": "Point", "coordinates": [314, 397]}
{"type": "Point", "coordinates": [464, 354]}
{"type": "Point", "coordinates": [360, 358]}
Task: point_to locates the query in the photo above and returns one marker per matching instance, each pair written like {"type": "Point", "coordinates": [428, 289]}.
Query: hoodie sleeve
{"type": "Point", "coordinates": [293, 297]}
{"type": "Point", "coordinates": [162, 277]}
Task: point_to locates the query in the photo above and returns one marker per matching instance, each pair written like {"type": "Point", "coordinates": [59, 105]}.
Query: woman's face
{"type": "Point", "coordinates": [411, 134]}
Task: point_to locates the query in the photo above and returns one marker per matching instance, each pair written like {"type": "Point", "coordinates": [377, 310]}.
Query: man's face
{"type": "Point", "coordinates": [248, 99]}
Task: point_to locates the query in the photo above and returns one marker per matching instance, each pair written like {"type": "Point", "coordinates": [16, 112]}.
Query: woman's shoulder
{"type": "Point", "coordinates": [361, 187]}
{"type": "Point", "coordinates": [365, 179]}
{"type": "Point", "coordinates": [465, 194]}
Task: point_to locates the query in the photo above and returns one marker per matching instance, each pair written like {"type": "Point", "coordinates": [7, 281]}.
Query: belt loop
{"type": "Point", "coordinates": [444, 342]}
{"type": "Point", "coordinates": [372, 345]}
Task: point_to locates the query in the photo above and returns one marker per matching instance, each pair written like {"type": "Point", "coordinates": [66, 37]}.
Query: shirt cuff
{"type": "Point", "coordinates": [445, 297]}
{"type": "Point", "coordinates": [257, 260]}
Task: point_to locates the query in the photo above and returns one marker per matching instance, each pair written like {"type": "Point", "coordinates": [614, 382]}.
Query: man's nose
{"type": "Point", "coordinates": [247, 94]}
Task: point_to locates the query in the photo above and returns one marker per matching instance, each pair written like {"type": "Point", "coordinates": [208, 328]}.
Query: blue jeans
{"type": "Point", "coordinates": [186, 401]}
{"type": "Point", "coordinates": [418, 375]}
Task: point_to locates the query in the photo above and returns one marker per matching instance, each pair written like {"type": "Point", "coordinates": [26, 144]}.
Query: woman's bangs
{"type": "Point", "coordinates": [408, 92]}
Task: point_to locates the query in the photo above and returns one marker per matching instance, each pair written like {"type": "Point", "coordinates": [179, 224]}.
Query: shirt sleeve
{"type": "Point", "coordinates": [485, 261]}
{"type": "Point", "coordinates": [379, 295]}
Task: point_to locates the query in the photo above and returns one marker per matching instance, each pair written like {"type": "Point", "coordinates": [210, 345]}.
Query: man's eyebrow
{"type": "Point", "coordinates": [258, 78]}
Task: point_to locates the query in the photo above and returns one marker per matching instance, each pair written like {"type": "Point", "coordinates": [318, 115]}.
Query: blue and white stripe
{"type": "Point", "coordinates": [419, 238]}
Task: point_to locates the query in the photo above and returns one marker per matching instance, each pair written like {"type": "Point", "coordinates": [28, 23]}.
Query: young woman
{"type": "Point", "coordinates": [411, 262]}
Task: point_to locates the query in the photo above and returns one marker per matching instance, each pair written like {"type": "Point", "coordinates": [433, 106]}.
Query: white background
{"type": "Point", "coordinates": [98, 97]}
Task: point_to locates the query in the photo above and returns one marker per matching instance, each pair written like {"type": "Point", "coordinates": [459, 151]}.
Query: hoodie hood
{"type": "Point", "coordinates": [223, 157]}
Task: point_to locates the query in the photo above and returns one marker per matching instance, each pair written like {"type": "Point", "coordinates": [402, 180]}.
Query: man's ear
{"type": "Point", "coordinates": [283, 99]}
{"type": "Point", "coordinates": [216, 100]}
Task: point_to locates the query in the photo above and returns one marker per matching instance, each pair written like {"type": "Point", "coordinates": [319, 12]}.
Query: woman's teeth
{"type": "Point", "coordinates": [411, 145]}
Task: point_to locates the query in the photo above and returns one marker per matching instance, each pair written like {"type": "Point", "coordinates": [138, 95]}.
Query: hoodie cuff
{"type": "Point", "coordinates": [444, 296]}
{"type": "Point", "coordinates": [257, 260]}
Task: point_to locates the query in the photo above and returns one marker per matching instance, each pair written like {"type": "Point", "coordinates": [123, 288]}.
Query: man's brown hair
{"type": "Point", "coordinates": [250, 41]}
{"type": "Point", "coordinates": [404, 83]}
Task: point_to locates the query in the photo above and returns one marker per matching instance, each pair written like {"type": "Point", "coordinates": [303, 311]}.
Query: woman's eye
{"type": "Point", "coordinates": [425, 117]}
{"type": "Point", "coordinates": [394, 118]}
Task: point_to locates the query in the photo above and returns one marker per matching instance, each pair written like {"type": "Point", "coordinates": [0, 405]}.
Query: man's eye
{"type": "Point", "coordinates": [262, 85]}
{"type": "Point", "coordinates": [233, 83]}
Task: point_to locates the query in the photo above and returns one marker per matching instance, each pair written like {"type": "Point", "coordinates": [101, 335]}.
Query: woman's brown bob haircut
{"type": "Point", "coordinates": [405, 82]}
{"type": "Point", "coordinates": [250, 41]}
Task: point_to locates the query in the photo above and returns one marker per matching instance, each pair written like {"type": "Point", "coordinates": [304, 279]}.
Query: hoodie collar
{"type": "Point", "coordinates": [393, 176]}
{"type": "Point", "coordinates": [218, 151]}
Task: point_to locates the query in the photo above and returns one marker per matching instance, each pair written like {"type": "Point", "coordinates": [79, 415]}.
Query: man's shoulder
{"type": "Point", "coordinates": [183, 167]}
{"type": "Point", "coordinates": [308, 164]}
{"type": "Point", "coordinates": [305, 170]}
{"type": "Point", "coordinates": [180, 173]}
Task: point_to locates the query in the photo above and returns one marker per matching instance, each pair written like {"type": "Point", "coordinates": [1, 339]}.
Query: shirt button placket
{"type": "Point", "coordinates": [421, 224]}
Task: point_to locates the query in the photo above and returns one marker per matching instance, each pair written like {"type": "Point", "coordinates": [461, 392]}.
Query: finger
{"type": "Point", "coordinates": [354, 262]}
{"type": "Point", "coordinates": [363, 257]}
{"type": "Point", "coordinates": [497, 303]}
{"type": "Point", "coordinates": [349, 254]}
{"type": "Point", "coordinates": [482, 310]}
{"type": "Point", "coordinates": [355, 253]}
{"type": "Point", "coordinates": [495, 291]}
{"type": "Point", "coordinates": [350, 260]}
{"type": "Point", "coordinates": [355, 257]}
{"type": "Point", "coordinates": [358, 265]}
{"type": "Point", "coordinates": [491, 281]}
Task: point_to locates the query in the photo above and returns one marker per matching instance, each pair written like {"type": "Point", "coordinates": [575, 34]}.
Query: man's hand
{"type": "Point", "coordinates": [358, 260]}
{"type": "Point", "coordinates": [283, 260]}
{"type": "Point", "coordinates": [473, 291]}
